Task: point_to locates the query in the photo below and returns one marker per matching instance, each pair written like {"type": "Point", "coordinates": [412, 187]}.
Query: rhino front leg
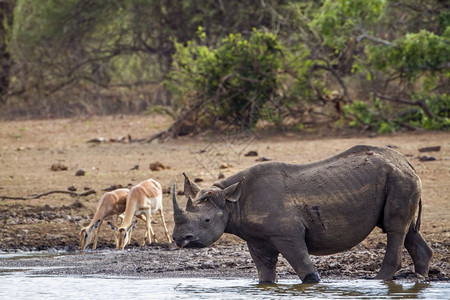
{"type": "Point", "coordinates": [296, 253]}
{"type": "Point", "coordinates": [265, 258]}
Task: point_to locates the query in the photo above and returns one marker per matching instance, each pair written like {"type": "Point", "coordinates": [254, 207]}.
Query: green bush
{"type": "Point", "coordinates": [363, 115]}
{"type": "Point", "coordinates": [234, 79]}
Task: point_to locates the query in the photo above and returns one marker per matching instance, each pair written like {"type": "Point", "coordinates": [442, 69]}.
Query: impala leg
{"type": "Point", "coordinates": [144, 218]}
{"type": "Point", "coordinates": [165, 227]}
{"type": "Point", "coordinates": [148, 231]}
{"type": "Point", "coordinates": [265, 258]}
{"type": "Point", "coordinates": [419, 250]}
{"type": "Point", "coordinates": [151, 232]}
{"type": "Point", "coordinates": [96, 233]}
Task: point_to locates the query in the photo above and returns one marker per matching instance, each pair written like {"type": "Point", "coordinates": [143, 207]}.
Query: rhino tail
{"type": "Point", "coordinates": [419, 217]}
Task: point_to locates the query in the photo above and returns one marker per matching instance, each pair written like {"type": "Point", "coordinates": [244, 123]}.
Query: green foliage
{"type": "Point", "coordinates": [439, 106]}
{"type": "Point", "coordinates": [364, 115]}
{"type": "Point", "coordinates": [236, 78]}
{"type": "Point", "coordinates": [344, 17]}
{"type": "Point", "coordinates": [413, 54]}
{"type": "Point", "coordinates": [206, 54]}
{"type": "Point", "coordinates": [371, 116]}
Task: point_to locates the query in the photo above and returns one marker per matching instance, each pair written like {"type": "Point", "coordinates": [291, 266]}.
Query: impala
{"type": "Point", "coordinates": [111, 203]}
{"type": "Point", "coordinates": [143, 200]}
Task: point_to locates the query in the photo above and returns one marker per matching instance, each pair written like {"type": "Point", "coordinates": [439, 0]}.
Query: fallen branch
{"type": "Point", "coordinates": [87, 193]}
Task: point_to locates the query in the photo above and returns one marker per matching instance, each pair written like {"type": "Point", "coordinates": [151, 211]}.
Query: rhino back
{"type": "Point", "coordinates": [338, 200]}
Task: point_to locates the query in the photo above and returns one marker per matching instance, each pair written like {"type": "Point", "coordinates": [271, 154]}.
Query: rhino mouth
{"type": "Point", "coordinates": [188, 242]}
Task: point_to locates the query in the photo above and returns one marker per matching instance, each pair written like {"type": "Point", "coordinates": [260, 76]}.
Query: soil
{"type": "Point", "coordinates": [97, 153]}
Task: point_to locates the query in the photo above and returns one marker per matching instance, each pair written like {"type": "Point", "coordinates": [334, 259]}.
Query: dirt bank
{"type": "Point", "coordinates": [28, 149]}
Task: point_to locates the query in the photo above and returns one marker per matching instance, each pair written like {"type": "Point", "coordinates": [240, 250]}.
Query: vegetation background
{"type": "Point", "coordinates": [292, 65]}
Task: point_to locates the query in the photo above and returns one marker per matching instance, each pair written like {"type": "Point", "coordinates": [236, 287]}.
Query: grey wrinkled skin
{"type": "Point", "coordinates": [318, 208]}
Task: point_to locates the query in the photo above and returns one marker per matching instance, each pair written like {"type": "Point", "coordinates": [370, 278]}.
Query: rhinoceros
{"type": "Point", "coordinates": [317, 208]}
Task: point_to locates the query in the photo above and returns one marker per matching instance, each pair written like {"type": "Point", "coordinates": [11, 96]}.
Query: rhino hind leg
{"type": "Point", "coordinates": [265, 259]}
{"type": "Point", "coordinates": [392, 258]}
{"type": "Point", "coordinates": [398, 214]}
{"type": "Point", "coordinates": [419, 250]}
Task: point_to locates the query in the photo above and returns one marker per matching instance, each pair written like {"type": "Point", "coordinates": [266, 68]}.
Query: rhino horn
{"type": "Point", "coordinates": [190, 204]}
{"type": "Point", "coordinates": [178, 213]}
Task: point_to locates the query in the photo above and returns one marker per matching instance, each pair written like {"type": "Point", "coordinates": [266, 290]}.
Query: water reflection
{"type": "Point", "coordinates": [352, 289]}
{"type": "Point", "coordinates": [413, 291]}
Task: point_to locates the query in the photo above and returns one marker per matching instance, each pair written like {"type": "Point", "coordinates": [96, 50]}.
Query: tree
{"type": "Point", "coordinates": [6, 21]}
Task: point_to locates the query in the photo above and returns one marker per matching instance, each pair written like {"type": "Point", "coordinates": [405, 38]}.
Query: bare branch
{"type": "Point", "coordinates": [87, 193]}
{"type": "Point", "coordinates": [419, 103]}
{"type": "Point", "coordinates": [364, 35]}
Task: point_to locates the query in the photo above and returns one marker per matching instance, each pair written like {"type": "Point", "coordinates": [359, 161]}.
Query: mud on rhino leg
{"type": "Point", "coordinates": [296, 253]}
{"type": "Point", "coordinates": [419, 250]}
{"type": "Point", "coordinates": [265, 258]}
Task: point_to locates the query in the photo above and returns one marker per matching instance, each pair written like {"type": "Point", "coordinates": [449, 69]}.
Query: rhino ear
{"type": "Point", "coordinates": [190, 204]}
{"type": "Point", "coordinates": [190, 187]}
{"type": "Point", "coordinates": [233, 192]}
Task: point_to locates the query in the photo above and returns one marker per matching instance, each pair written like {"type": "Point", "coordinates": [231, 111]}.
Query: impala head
{"type": "Point", "coordinates": [205, 218]}
{"type": "Point", "coordinates": [86, 235]}
{"type": "Point", "coordinates": [122, 234]}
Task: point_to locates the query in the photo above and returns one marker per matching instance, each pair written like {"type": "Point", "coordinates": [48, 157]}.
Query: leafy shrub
{"type": "Point", "coordinates": [233, 80]}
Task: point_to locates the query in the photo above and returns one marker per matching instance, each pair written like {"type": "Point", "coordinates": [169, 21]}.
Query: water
{"type": "Point", "coordinates": [18, 283]}
{"type": "Point", "coordinates": [20, 286]}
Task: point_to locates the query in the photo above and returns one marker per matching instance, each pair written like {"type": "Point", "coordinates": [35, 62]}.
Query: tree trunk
{"type": "Point", "coordinates": [6, 22]}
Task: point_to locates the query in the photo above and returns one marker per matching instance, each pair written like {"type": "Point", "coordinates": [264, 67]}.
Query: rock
{"type": "Point", "coordinates": [77, 204]}
{"type": "Point", "coordinates": [22, 148]}
{"type": "Point", "coordinates": [427, 158]}
{"type": "Point", "coordinates": [251, 153]}
{"type": "Point", "coordinates": [113, 187]}
{"type": "Point", "coordinates": [180, 193]}
{"type": "Point", "coordinates": [158, 166]}
{"type": "Point", "coordinates": [58, 167]}
{"type": "Point", "coordinates": [221, 176]}
{"type": "Point", "coordinates": [136, 167]}
{"type": "Point", "coordinates": [380, 245]}
{"type": "Point", "coordinates": [225, 165]}
{"type": "Point", "coordinates": [72, 188]}
{"type": "Point", "coordinates": [196, 180]}
{"type": "Point", "coordinates": [430, 149]}
{"type": "Point", "coordinates": [80, 172]}
{"type": "Point", "coordinates": [262, 158]}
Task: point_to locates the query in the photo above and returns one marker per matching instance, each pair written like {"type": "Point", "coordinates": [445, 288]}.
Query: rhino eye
{"type": "Point", "coordinates": [207, 221]}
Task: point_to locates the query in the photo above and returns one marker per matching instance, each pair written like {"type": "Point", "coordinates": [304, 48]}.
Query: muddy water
{"type": "Point", "coordinates": [27, 283]}
{"type": "Point", "coordinates": [16, 285]}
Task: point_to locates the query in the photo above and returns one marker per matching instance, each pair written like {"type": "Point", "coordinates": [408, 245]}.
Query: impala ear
{"type": "Point", "coordinates": [132, 226]}
{"type": "Point", "coordinates": [190, 187]}
{"type": "Point", "coordinates": [233, 192]}
{"type": "Point", "coordinates": [83, 233]}
{"type": "Point", "coordinates": [96, 224]}
{"type": "Point", "coordinates": [112, 226]}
